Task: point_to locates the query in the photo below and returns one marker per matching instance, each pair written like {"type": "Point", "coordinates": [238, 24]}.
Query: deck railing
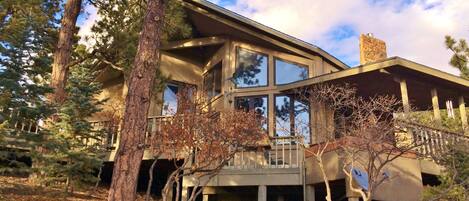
{"type": "Point", "coordinates": [283, 152]}
{"type": "Point", "coordinates": [432, 142]}
{"type": "Point", "coordinates": [112, 130]}
{"type": "Point", "coordinates": [287, 152]}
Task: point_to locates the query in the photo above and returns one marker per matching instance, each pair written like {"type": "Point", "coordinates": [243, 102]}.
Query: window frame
{"type": "Point", "coordinates": [237, 48]}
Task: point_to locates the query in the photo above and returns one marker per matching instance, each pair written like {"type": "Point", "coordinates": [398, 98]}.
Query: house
{"type": "Point", "coordinates": [214, 61]}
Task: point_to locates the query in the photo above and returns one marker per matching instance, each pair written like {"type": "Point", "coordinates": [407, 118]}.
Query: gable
{"type": "Point", "coordinates": [212, 20]}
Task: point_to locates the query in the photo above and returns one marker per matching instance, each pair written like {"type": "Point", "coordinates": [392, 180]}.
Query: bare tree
{"type": "Point", "coordinates": [363, 132]}
{"type": "Point", "coordinates": [202, 141]}
{"type": "Point", "coordinates": [332, 98]}
{"type": "Point", "coordinates": [132, 140]}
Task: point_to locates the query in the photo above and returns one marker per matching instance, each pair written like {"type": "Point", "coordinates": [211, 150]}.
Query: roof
{"type": "Point", "coordinates": [381, 78]}
{"type": "Point", "coordinates": [383, 65]}
{"type": "Point", "coordinates": [213, 8]}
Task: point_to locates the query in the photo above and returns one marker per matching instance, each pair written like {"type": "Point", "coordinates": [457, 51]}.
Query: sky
{"type": "Point", "coordinates": [412, 29]}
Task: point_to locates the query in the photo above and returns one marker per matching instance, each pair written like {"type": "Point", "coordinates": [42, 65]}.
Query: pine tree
{"type": "Point", "coordinates": [460, 58]}
{"type": "Point", "coordinates": [115, 35]}
{"type": "Point", "coordinates": [75, 150]}
{"type": "Point", "coordinates": [28, 34]}
{"type": "Point", "coordinates": [455, 176]}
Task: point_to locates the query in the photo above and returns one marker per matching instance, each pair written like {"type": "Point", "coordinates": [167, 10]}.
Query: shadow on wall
{"type": "Point", "coordinates": [160, 174]}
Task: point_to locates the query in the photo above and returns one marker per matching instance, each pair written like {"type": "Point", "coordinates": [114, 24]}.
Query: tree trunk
{"type": "Point", "coordinates": [132, 141]}
{"type": "Point", "coordinates": [324, 176]}
{"type": "Point", "coordinates": [150, 180]}
{"type": "Point", "coordinates": [63, 52]}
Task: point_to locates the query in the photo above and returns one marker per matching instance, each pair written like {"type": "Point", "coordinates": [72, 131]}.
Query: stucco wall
{"type": "Point", "coordinates": [405, 183]}
{"type": "Point", "coordinates": [177, 70]}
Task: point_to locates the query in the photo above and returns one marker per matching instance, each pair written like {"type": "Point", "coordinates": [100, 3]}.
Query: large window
{"type": "Point", "coordinates": [254, 103]}
{"type": "Point", "coordinates": [288, 72]}
{"type": "Point", "coordinates": [251, 69]}
{"type": "Point", "coordinates": [170, 100]}
{"type": "Point", "coordinates": [292, 117]}
{"type": "Point", "coordinates": [213, 81]}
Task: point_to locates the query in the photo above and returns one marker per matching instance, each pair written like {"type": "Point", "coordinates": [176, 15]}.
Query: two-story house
{"type": "Point", "coordinates": [220, 60]}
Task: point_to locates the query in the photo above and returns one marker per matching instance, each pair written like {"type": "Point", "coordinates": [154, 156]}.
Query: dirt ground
{"type": "Point", "coordinates": [19, 189]}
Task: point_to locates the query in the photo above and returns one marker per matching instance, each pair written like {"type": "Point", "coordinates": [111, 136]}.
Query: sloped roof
{"type": "Point", "coordinates": [386, 64]}
{"type": "Point", "coordinates": [260, 28]}
{"type": "Point", "coordinates": [380, 78]}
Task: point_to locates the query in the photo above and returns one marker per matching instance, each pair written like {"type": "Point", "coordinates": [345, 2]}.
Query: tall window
{"type": "Point", "coordinates": [251, 69]}
{"type": "Point", "coordinates": [288, 72]}
{"type": "Point", "coordinates": [213, 81]}
{"type": "Point", "coordinates": [254, 103]}
{"type": "Point", "coordinates": [292, 117]}
{"type": "Point", "coordinates": [170, 100]}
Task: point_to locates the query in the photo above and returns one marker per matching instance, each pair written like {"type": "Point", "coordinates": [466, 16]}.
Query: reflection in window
{"type": "Point", "coordinates": [287, 72]}
{"type": "Point", "coordinates": [258, 104]}
{"type": "Point", "coordinates": [170, 101]}
{"type": "Point", "coordinates": [292, 117]}
{"type": "Point", "coordinates": [213, 81]}
{"type": "Point", "coordinates": [251, 69]}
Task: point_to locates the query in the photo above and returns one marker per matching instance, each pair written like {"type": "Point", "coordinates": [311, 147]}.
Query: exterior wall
{"type": "Point", "coordinates": [332, 165]}
{"type": "Point", "coordinates": [253, 177]}
{"type": "Point", "coordinates": [405, 183]}
{"type": "Point", "coordinates": [113, 91]}
{"type": "Point", "coordinates": [178, 70]}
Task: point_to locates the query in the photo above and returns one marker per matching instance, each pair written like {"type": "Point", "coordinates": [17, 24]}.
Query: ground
{"type": "Point", "coordinates": [19, 189]}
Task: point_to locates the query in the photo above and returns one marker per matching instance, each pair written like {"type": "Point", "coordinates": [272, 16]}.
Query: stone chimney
{"type": "Point", "coordinates": [371, 49]}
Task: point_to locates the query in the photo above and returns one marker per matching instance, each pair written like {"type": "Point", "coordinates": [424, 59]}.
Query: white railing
{"type": "Point", "coordinates": [432, 141]}
{"type": "Point", "coordinates": [283, 152]}
{"type": "Point", "coordinates": [16, 123]}
{"type": "Point", "coordinates": [112, 130]}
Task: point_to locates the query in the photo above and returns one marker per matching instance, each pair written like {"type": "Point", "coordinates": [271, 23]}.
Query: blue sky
{"type": "Point", "coordinates": [412, 29]}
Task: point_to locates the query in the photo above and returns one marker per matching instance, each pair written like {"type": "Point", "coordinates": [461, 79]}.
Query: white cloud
{"type": "Point", "coordinates": [91, 17]}
{"type": "Point", "coordinates": [411, 29]}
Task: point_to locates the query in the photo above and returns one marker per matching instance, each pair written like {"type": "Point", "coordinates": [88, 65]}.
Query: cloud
{"type": "Point", "coordinates": [413, 29]}
{"type": "Point", "coordinates": [85, 22]}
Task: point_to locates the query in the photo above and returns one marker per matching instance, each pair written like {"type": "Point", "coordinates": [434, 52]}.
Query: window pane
{"type": "Point", "coordinates": [287, 72]}
{"type": "Point", "coordinates": [282, 116]}
{"type": "Point", "coordinates": [208, 84]}
{"type": "Point", "coordinates": [251, 69]}
{"type": "Point", "coordinates": [217, 79]}
{"type": "Point", "coordinates": [292, 118]}
{"type": "Point", "coordinates": [302, 126]}
{"type": "Point", "coordinates": [170, 100]}
{"type": "Point", "coordinates": [213, 81]}
{"type": "Point", "coordinates": [258, 104]}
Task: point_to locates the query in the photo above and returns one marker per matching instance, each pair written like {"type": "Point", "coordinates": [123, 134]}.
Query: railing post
{"type": "Point", "coordinates": [462, 112]}
{"type": "Point", "coordinates": [436, 105]}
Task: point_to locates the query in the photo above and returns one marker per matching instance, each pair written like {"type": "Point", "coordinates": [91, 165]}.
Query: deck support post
{"type": "Point", "coordinates": [436, 105]}
{"type": "Point", "coordinates": [184, 193]}
{"type": "Point", "coordinates": [404, 95]}
{"type": "Point", "coordinates": [462, 112]}
{"type": "Point", "coordinates": [310, 193]}
{"type": "Point", "coordinates": [262, 193]}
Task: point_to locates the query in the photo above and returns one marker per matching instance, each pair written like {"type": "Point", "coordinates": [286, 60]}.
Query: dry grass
{"type": "Point", "coordinates": [20, 189]}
